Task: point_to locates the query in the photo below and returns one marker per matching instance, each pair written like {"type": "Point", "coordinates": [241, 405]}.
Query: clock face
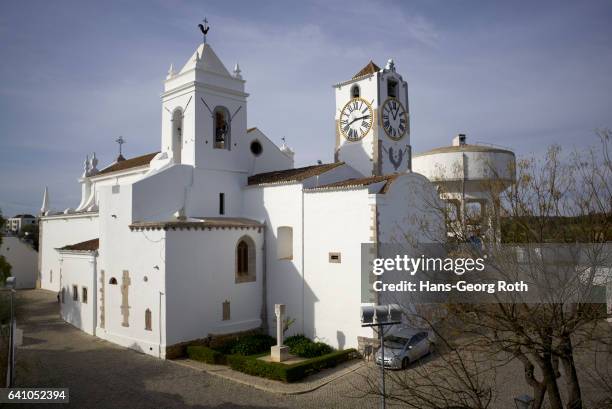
{"type": "Point", "coordinates": [394, 119]}
{"type": "Point", "coordinates": [356, 119]}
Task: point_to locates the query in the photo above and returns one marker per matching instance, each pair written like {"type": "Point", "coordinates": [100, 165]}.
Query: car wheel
{"type": "Point", "coordinates": [405, 363]}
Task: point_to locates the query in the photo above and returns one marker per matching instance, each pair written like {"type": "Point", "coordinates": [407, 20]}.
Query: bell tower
{"type": "Point", "coordinates": [204, 109]}
{"type": "Point", "coordinates": [373, 121]}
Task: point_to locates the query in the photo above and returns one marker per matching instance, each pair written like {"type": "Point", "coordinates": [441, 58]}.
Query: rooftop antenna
{"type": "Point", "coordinates": [120, 141]}
{"type": "Point", "coordinates": [204, 29]}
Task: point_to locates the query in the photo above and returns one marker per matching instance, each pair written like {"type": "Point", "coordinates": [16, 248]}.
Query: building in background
{"type": "Point", "coordinates": [15, 224]}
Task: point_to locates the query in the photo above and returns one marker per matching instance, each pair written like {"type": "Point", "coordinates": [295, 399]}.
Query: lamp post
{"type": "Point", "coordinates": [10, 284]}
{"type": "Point", "coordinates": [523, 402]}
{"type": "Point", "coordinates": [381, 316]}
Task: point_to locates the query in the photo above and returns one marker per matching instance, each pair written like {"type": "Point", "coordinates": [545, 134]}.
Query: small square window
{"type": "Point", "coordinates": [75, 293]}
{"type": "Point", "coordinates": [84, 295]}
{"type": "Point", "coordinates": [335, 258]}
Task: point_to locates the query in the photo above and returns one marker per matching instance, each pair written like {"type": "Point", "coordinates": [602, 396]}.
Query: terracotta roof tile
{"type": "Point", "coordinates": [370, 68]}
{"type": "Point", "coordinates": [292, 175]}
{"type": "Point", "coordinates": [198, 223]}
{"type": "Point", "coordinates": [89, 245]}
{"type": "Point", "coordinates": [358, 182]}
{"type": "Point", "coordinates": [142, 160]}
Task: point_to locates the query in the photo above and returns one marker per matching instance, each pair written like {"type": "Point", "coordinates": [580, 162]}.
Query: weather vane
{"type": "Point", "coordinates": [204, 28]}
{"type": "Point", "coordinates": [120, 141]}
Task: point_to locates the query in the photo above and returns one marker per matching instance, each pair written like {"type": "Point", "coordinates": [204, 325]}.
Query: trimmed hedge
{"type": "Point", "coordinates": [251, 344]}
{"type": "Point", "coordinates": [287, 373]}
{"type": "Point", "coordinates": [205, 354]}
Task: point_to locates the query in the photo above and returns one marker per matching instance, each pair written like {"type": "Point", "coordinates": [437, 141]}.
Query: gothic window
{"type": "Point", "coordinates": [75, 293]}
{"type": "Point", "coordinates": [245, 260]}
{"type": "Point", "coordinates": [112, 281]}
{"type": "Point", "coordinates": [222, 128]}
{"type": "Point", "coordinates": [284, 244]}
{"type": "Point", "coordinates": [391, 88]}
{"type": "Point", "coordinates": [355, 92]}
{"type": "Point", "coordinates": [148, 320]}
{"type": "Point", "coordinates": [84, 295]}
{"type": "Point", "coordinates": [177, 134]}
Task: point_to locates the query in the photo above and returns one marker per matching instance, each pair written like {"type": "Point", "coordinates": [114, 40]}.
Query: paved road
{"type": "Point", "coordinates": [102, 375]}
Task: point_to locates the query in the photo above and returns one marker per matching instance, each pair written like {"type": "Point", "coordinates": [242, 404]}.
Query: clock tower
{"type": "Point", "coordinates": [373, 121]}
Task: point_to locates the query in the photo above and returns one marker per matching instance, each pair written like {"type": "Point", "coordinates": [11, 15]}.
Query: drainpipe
{"type": "Point", "coordinates": [159, 325]}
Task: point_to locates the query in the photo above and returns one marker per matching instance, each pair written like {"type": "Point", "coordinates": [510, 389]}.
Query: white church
{"type": "Point", "coordinates": [205, 236]}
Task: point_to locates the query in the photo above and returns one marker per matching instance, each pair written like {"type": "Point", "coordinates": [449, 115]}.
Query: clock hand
{"type": "Point", "coordinates": [357, 119]}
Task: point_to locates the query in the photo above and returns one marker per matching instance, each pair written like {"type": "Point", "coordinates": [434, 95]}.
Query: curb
{"type": "Point", "coordinates": [229, 374]}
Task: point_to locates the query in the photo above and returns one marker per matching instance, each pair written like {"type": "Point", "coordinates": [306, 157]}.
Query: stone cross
{"type": "Point", "coordinates": [279, 352]}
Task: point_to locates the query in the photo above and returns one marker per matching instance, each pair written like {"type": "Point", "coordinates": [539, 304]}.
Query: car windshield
{"type": "Point", "coordinates": [392, 341]}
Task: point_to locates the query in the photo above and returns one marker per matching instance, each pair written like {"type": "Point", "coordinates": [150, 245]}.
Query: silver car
{"type": "Point", "coordinates": [403, 346]}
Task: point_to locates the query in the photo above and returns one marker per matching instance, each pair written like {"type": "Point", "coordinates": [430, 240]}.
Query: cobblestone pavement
{"type": "Point", "coordinates": [102, 375]}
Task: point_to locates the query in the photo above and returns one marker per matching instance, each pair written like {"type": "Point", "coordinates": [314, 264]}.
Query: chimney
{"type": "Point", "coordinates": [459, 140]}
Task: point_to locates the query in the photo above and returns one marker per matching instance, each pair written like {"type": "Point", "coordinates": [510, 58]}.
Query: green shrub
{"type": "Point", "coordinates": [205, 354]}
{"type": "Point", "coordinates": [257, 367]}
{"type": "Point", "coordinates": [287, 373]}
{"type": "Point", "coordinates": [295, 339]}
{"type": "Point", "coordinates": [301, 346]}
{"type": "Point", "coordinates": [226, 346]}
{"type": "Point", "coordinates": [253, 344]}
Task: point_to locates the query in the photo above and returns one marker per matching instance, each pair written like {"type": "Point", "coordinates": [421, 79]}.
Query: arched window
{"type": "Point", "coordinates": [148, 319]}
{"type": "Point", "coordinates": [177, 134]}
{"type": "Point", "coordinates": [112, 281]}
{"type": "Point", "coordinates": [245, 260]}
{"type": "Point", "coordinates": [355, 92]}
{"type": "Point", "coordinates": [222, 128]}
{"type": "Point", "coordinates": [391, 88]}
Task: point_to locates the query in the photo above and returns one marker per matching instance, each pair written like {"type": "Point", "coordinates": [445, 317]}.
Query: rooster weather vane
{"type": "Point", "coordinates": [204, 28]}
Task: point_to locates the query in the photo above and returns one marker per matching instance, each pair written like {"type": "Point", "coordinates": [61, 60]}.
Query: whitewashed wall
{"type": "Point", "coordinates": [280, 206]}
{"type": "Point", "coordinates": [23, 260]}
{"type": "Point", "coordinates": [335, 221]}
{"type": "Point", "coordinates": [200, 276]}
{"type": "Point", "coordinates": [59, 231]}
{"type": "Point", "coordinates": [271, 157]}
{"type": "Point", "coordinates": [79, 268]}
{"type": "Point", "coordinates": [142, 254]}
{"type": "Point", "coordinates": [410, 212]}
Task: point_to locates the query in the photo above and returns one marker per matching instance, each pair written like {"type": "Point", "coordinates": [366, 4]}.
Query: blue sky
{"type": "Point", "coordinates": [74, 75]}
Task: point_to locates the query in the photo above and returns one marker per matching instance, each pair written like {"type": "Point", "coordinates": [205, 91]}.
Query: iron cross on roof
{"type": "Point", "coordinates": [204, 29]}
{"type": "Point", "coordinates": [120, 141]}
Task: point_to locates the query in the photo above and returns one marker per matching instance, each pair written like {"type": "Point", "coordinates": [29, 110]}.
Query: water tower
{"type": "Point", "coordinates": [470, 179]}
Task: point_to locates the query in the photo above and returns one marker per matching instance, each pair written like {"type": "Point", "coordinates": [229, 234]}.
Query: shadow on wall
{"type": "Point", "coordinates": [284, 283]}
